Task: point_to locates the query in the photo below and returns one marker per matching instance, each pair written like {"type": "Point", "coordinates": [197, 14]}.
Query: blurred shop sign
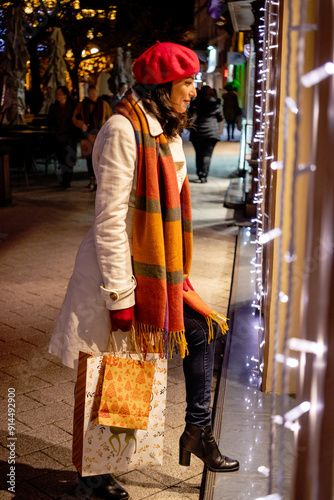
{"type": "Point", "coordinates": [247, 50]}
{"type": "Point", "coordinates": [235, 58]}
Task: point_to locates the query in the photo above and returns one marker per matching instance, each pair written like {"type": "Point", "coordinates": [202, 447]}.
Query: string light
{"type": "Point", "coordinates": [273, 496]}
{"type": "Point", "coordinates": [283, 297]}
{"type": "Point", "coordinates": [304, 168]}
{"type": "Point", "coordinates": [317, 75]}
{"type": "Point", "coordinates": [291, 105]}
{"type": "Point", "coordinates": [307, 346]}
{"type": "Point", "coordinates": [277, 165]}
{"type": "Point", "coordinates": [298, 411]}
{"type": "Point", "coordinates": [291, 362]}
{"type": "Point", "coordinates": [288, 257]}
{"type": "Point", "coordinates": [270, 235]}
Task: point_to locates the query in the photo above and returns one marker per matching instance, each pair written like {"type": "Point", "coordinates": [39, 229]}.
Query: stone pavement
{"type": "Point", "coordinates": [40, 233]}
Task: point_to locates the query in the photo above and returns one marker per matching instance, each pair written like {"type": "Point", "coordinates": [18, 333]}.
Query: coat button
{"type": "Point", "coordinates": [114, 295]}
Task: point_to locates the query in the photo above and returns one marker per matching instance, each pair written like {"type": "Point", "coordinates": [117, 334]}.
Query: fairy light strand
{"type": "Point", "coordinates": [292, 245]}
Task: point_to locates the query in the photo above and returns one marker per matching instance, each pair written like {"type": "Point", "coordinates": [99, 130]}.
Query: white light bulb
{"type": "Point", "coordinates": [304, 345]}
{"type": "Point", "coordinates": [298, 411]}
{"type": "Point", "coordinates": [277, 165]}
{"type": "Point", "coordinates": [270, 235]}
{"type": "Point", "coordinates": [291, 105]}
{"type": "Point", "coordinates": [274, 496]}
{"type": "Point", "coordinates": [283, 297]}
{"type": "Point", "coordinates": [291, 362]}
{"type": "Point", "coordinates": [317, 75]}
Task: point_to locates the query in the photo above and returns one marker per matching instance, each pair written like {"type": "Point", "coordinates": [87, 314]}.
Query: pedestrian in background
{"type": "Point", "coordinates": [132, 267]}
{"type": "Point", "coordinates": [206, 114]}
{"type": "Point", "coordinates": [89, 116]}
{"type": "Point", "coordinates": [231, 108]}
{"type": "Point", "coordinates": [63, 134]}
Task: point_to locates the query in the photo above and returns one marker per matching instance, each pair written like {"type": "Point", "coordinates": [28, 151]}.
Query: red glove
{"type": "Point", "coordinates": [187, 285]}
{"type": "Point", "coordinates": [121, 319]}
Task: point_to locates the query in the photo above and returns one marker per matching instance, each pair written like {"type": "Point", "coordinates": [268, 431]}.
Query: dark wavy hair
{"type": "Point", "coordinates": [156, 100]}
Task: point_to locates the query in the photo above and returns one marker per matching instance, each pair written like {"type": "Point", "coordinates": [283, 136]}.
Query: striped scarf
{"type": "Point", "coordinates": [162, 243]}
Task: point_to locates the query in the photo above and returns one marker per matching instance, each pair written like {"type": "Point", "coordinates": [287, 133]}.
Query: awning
{"type": "Point", "coordinates": [241, 15]}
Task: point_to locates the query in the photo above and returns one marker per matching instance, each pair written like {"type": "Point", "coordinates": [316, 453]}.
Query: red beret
{"type": "Point", "coordinates": [165, 62]}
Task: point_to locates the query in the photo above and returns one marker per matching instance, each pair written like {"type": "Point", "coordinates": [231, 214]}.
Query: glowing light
{"type": "Point", "coordinates": [291, 105]}
{"type": "Point", "coordinates": [317, 75]}
{"type": "Point", "coordinates": [94, 50]}
{"type": "Point", "coordinates": [28, 9]}
{"type": "Point", "coordinates": [283, 297]}
{"type": "Point", "coordinates": [212, 59]}
{"type": "Point", "coordinates": [274, 496]}
{"type": "Point", "coordinates": [304, 345]}
{"type": "Point", "coordinates": [291, 362]}
{"type": "Point", "coordinates": [298, 411]}
{"type": "Point", "coordinates": [270, 235]}
{"type": "Point", "coordinates": [289, 258]}
{"type": "Point", "coordinates": [306, 168]}
{"type": "Point", "coordinates": [264, 470]}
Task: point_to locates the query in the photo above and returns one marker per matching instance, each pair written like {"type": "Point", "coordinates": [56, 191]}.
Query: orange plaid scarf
{"type": "Point", "coordinates": [162, 243]}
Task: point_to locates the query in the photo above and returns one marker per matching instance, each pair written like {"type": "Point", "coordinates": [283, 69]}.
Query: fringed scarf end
{"type": "Point", "coordinates": [150, 339]}
{"type": "Point", "coordinates": [220, 320]}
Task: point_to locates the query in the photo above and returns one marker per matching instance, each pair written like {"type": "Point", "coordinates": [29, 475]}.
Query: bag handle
{"type": "Point", "coordinates": [113, 344]}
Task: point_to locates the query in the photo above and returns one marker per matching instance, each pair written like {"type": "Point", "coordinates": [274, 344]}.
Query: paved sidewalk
{"type": "Point", "coordinates": [40, 233]}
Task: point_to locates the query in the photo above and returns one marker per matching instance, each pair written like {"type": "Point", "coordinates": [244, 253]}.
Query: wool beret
{"type": "Point", "coordinates": [165, 62]}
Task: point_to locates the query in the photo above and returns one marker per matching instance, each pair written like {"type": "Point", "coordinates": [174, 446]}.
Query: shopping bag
{"type": "Point", "coordinates": [123, 397]}
{"type": "Point", "coordinates": [100, 449]}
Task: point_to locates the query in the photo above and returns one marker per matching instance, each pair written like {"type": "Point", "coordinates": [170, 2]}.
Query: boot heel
{"type": "Point", "coordinates": [184, 458]}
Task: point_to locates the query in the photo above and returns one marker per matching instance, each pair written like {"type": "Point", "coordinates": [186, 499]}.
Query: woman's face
{"type": "Point", "coordinates": [182, 92]}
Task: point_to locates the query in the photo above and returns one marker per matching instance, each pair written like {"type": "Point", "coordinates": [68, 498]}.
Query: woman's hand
{"type": "Point", "coordinates": [84, 128]}
{"type": "Point", "coordinates": [187, 285]}
{"type": "Point", "coordinates": [121, 319]}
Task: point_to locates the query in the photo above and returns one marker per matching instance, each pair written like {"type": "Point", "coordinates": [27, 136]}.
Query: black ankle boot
{"type": "Point", "coordinates": [200, 442]}
{"type": "Point", "coordinates": [103, 486]}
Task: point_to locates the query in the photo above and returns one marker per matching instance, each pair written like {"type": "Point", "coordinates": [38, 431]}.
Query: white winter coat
{"type": "Point", "coordinates": [103, 278]}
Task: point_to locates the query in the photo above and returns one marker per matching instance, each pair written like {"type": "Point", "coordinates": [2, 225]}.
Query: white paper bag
{"type": "Point", "coordinates": [99, 449]}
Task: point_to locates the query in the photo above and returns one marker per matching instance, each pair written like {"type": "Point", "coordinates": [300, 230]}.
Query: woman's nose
{"type": "Point", "coordinates": [193, 91]}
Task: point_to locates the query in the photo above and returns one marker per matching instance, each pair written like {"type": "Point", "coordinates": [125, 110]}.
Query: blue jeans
{"type": "Point", "coordinates": [198, 368]}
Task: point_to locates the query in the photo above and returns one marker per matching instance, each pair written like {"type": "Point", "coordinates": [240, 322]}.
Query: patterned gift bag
{"type": "Point", "coordinates": [101, 449]}
{"type": "Point", "coordinates": [124, 394]}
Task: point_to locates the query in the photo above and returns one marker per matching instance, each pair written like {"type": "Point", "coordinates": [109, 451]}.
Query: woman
{"type": "Point", "coordinates": [89, 116]}
{"type": "Point", "coordinates": [206, 113]}
{"type": "Point", "coordinates": [63, 134]}
{"type": "Point", "coordinates": [139, 241]}
{"type": "Point", "coordinates": [231, 109]}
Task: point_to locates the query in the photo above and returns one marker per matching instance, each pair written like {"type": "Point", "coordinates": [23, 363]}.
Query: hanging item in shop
{"type": "Point", "coordinates": [14, 69]}
{"type": "Point", "coordinates": [118, 73]}
{"type": "Point", "coordinates": [55, 72]}
{"type": "Point", "coordinates": [214, 8]}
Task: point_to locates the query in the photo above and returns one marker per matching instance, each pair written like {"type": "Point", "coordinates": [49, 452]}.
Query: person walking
{"type": "Point", "coordinates": [141, 242]}
{"type": "Point", "coordinates": [63, 140]}
{"type": "Point", "coordinates": [89, 116]}
{"type": "Point", "coordinates": [231, 109]}
{"type": "Point", "coordinates": [205, 114]}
